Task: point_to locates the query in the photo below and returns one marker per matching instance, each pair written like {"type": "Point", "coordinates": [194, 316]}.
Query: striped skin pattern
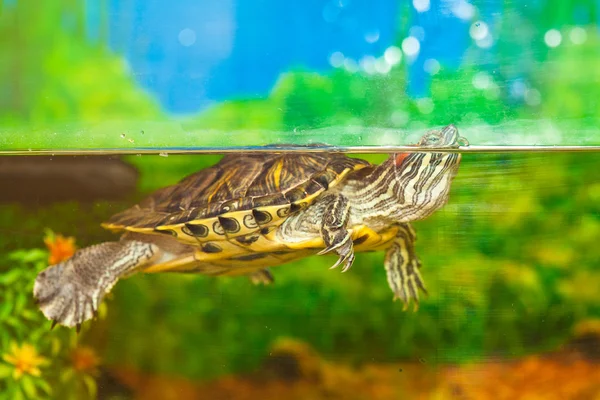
{"type": "Point", "coordinates": [402, 266]}
{"type": "Point", "coordinates": [253, 211]}
{"type": "Point", "coordinates": [404, 191]}
{"type": "Point", "coordinates": [383, 199]}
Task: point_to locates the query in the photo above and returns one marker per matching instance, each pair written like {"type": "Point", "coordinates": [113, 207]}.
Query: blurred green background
{"type": "Point", "coordinates": [512, 263]}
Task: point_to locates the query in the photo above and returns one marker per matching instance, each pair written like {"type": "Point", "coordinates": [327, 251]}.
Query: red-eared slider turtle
{"type": "Point", "coordinates": [252, 211]}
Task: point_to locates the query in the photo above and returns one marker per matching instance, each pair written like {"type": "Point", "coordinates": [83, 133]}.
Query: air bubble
{"type": "Point", "coordinates": [552, 38]}
{"type": "Point", "coordinates": [187, 37]}
{"type": "Point", "coordinates": [411, 46]}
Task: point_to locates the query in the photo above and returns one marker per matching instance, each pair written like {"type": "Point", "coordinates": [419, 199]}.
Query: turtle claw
{"type": "Point", "coordinates": [335, 235]}
{"type": "Point", "coordinates": [346, 255]}
{"type": "Point", "coordinates": [337, 263]}
{"type": "Point", "coordinates": [406, 289]}
{"type": "Point", "coordinates": [348, 262]}
{"type": "Point", "coordinates": [406, 306]}
{"type": "Point", "coordinates": [324, 251]}
{"type": "Point", "coordinates": [406, 302]}
{"type": "Point", "coordinates": [330, 248]}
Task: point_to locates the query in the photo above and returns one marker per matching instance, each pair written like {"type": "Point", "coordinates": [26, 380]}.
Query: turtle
{"type": "Point", "coordinates": [255, 210]}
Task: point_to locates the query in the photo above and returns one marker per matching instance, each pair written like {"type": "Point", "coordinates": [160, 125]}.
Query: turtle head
{"type": "Point", "coordinates": [422, 180]}
{"type": "Point", "coordinates": [447, 137]}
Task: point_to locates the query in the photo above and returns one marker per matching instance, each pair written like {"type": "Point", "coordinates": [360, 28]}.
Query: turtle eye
{"type": "Point", "coordinates": [433, 139]}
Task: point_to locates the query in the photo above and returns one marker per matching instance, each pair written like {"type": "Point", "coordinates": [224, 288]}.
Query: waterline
{"type": "Point", "coordinates": [298, 148]}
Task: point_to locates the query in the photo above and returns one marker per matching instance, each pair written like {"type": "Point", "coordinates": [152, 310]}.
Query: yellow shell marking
{"type": "Point", "coordinates": [215, 231]}
{"type": "Point", "coordinates": [269, 252]}
{"type": "Point", "coordinates": [217, 185]}
{"type": "Point", "coordinates": [277, 174]}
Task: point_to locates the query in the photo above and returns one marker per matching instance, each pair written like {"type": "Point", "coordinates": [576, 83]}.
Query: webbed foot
{"type": "Point", "coordinates": [69, 293]}
{"type": "Point", "coordinates": [63, 298]}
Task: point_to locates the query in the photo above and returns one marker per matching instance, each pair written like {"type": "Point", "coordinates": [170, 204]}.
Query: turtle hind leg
{"type": "Point", "coordinates": [70, 292]}
{"type": "Point", "coordinates": [262, 277]}
{"type": "Point", "coordinates": [402, 267]}
{"type": "Point", "coordinates": [336, 236]}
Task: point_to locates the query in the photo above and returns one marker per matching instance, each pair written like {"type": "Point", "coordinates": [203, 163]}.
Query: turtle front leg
{"type": "Point", "coordinates": [402, 267]}
{"type": "Point", "coordinates": [336, 236]}
{"type": "Point", "coordinates": [70, 292]}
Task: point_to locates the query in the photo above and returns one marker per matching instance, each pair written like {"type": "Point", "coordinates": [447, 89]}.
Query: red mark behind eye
{"type": "Point", "coordinates": [399, 159]}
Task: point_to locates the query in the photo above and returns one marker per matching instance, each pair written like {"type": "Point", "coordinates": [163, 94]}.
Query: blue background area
{"type": "Point", "coordinates": [242, 46]}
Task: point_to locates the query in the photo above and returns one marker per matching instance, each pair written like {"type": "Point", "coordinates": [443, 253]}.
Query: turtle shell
{"type": "Point", "coordinates": [242, 194]}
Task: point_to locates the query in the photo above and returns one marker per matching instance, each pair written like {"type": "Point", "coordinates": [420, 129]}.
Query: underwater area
{"type": "Point", "coordinates": [102, 103]}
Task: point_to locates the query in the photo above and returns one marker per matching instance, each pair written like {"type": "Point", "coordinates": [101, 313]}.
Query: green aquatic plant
{"type": "Point", "coordinates": [37, 363]}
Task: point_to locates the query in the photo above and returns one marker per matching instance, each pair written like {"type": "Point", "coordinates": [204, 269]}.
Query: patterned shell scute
{"type": "Point", "coordinates": [242, 189]}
